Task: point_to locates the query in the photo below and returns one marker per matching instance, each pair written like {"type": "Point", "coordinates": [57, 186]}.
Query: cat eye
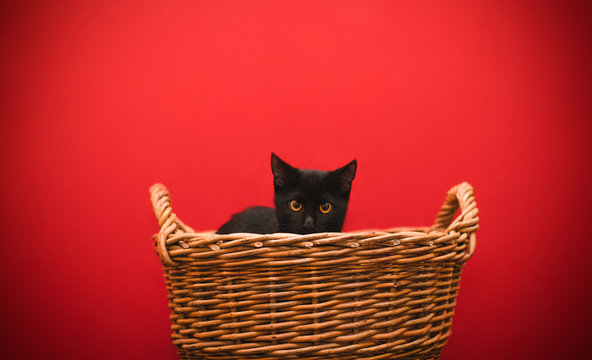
{"type": "Point", "coordinates": [325, 207]}
{"type": "Point", "coordinates": [295, 205]}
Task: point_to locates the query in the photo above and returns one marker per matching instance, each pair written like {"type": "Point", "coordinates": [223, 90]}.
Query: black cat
{"type": "Point", "coordinates": [306, 201]}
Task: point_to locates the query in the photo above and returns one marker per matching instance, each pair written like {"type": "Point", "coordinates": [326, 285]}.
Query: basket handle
{"type": "Point", "coordinates": [463, 196]}
{"type": "Point", "coordinates": [168, 222]}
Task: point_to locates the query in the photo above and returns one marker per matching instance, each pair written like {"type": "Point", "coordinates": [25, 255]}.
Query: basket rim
{"type": "Point", "coordinates": [175, 237]}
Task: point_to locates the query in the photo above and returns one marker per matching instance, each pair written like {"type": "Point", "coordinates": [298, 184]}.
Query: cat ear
{"type": "Point", "coordinates": [345, 175]}
{"type": "Point", "coordinates": [282, 171]}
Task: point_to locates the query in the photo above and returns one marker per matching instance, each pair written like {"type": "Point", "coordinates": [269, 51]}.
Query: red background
{"type": "Point", "coordinates": [102, 99]}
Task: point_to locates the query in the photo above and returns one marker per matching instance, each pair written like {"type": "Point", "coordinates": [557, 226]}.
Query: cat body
{"type": "Point", "coordinates": [306, 201]}
{"type": "Point", "coordinates": [256, 219]}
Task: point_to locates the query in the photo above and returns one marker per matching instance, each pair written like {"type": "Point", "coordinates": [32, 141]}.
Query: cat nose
{"type": "Point", "coordinates": [308, 223]}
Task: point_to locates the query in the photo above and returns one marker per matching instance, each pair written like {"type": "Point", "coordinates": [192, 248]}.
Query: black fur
{"type": "Point", "coordinates": [256, 219]}
{"type": "Point", "coordinates": [311, 188]}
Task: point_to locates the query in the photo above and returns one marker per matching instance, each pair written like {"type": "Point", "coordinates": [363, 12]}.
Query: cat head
{"type": "Point", "coordinates": [311, 201]}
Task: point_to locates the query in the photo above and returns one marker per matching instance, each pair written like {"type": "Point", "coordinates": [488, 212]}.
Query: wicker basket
{"type": "Point", "coordinates": [361, 295]}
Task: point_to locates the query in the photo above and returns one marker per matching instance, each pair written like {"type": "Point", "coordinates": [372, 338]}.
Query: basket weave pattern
{"type": "Point", "coordinates": [361, 295]}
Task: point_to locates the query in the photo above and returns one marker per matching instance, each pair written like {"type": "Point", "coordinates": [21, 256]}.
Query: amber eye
{"type": "Point", "coordinates": [326, 207]}
{"type": "Point", "coordinates": [295, 205]}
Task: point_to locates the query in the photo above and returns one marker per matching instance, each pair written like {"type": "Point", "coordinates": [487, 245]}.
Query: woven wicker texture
{"type": "Point", "coordinates": [362, 295]}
